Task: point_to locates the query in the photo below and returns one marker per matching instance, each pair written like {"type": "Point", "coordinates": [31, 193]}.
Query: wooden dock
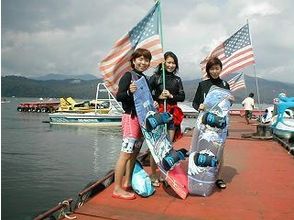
{"type": "Point", "coordinates": [260, 185]}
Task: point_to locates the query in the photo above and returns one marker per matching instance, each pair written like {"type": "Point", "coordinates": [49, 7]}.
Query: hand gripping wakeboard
{"type": "Point", "coordinates": [208, 140]}
{"type": "Point", "coordinates": [153, 128]}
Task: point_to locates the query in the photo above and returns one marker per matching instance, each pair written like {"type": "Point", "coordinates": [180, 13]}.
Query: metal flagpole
{"type": "Point", "coordinates": [162, 64]}
{"type": "Point", "coordinates": [161, 39]}
{"type": "Point", "coordinates": [257, 88]}
{"type": "Point", "coordinates": [256, 80]}
{"type": "Point", "coordinates": [246, 90]}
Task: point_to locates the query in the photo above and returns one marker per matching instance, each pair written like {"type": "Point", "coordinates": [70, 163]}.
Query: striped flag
{"type": "Point", "coordinates": [235, 53]}
{"type": "Point", "coordinates": [144, 35]}
{"type": "Point", "coordinates": [237, 82]}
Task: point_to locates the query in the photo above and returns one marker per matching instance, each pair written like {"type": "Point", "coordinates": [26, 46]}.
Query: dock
{"type": "Point", "coordinates": [260, 185]}
{"type": "Point", "coordinates": [41, 106]}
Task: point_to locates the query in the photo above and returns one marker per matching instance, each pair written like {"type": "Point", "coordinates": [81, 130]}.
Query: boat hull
{"type": "Point", "coordinates": [85, 119]}
{"type": "Point", "coordinates": [284, 129]}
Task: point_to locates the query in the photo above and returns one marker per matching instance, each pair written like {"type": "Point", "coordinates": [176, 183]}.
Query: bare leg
{"type": "Point", "coordinates": [220, 181]}
{"type": "Point", "coordinates": [246, 116]}
{"type": "Point", "coordinates": [120, 169]}
{"type": "Point", "coordinates": [129, 168]}
{"type": "Point", "coordinates": [247, 120]}
{"type": "Point", "coordinates": [153, 166]}
{"type": "Point", "coordinates": [154, 175]}
{"type": "Point", "coordinates": [171, 134]}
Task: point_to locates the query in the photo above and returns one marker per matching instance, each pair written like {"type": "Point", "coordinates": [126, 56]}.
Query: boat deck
{"type": "Point", "coordinates": [260, 185]}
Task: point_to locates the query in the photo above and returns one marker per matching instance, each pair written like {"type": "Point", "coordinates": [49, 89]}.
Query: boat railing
{"type": "Point", "coordinates": [102, 89]}
{"type": "Point", "coordinates": [61, 210]}
{"type": "Point", "coordinates": [101, 184]}
{"type": "Point", "coordinates": [69, 206]}
{"type": "Point", "coordinates": [94, 188]}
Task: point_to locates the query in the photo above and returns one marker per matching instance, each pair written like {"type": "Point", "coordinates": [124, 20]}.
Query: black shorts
{"type": "Point", "coordinates": [248, 114]}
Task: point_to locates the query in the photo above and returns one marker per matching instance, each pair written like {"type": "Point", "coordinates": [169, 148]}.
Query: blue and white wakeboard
{"type": "Point", "coordinates": [208, 140]}
{"type": "Point", "coordinates": [158, 142]}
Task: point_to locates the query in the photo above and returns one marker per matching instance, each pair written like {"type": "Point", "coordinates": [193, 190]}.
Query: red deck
{"type": "Point", "coordinates": [260, 185]}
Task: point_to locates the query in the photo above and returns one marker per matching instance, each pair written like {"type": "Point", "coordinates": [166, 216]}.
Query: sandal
{"type": "Point", "coordinates": [220, 184]}
{"type": "Point", "coordinates": [125, 197]}
{"type": "Point", "coordinates": [155, 181]}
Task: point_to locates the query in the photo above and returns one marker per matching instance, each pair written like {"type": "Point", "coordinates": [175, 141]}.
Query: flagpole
{"type": "Point", "coordinates": [161, 39]}
{"type": "Point", "coordinates": [256, 81]}
{"type": "Point", "coordinates": [246, 90]}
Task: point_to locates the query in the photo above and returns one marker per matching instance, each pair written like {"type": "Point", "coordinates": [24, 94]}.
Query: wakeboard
{"type": "Point", "coordinates": [153, 128]}
{"type": "Point", "coordinates": [208, 140]}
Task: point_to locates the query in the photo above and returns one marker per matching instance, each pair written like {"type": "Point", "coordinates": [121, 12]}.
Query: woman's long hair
{"type": "Point", "coordinates": [166, 55]}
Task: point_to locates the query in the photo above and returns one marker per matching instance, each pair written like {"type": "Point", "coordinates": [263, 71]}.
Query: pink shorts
{"type": "Point", "coordinates": [132, 134]}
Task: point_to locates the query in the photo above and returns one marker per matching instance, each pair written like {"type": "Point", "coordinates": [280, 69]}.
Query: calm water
{"type": "Point", "coordinates": [43, 164]}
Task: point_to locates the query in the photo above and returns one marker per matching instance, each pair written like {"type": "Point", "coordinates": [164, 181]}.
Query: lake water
{"type": "Point", "coordinates": [42, 165]}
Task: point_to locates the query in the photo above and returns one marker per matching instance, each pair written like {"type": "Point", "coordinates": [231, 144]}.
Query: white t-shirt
{"type": "Point", "coordinates": [248, 103]}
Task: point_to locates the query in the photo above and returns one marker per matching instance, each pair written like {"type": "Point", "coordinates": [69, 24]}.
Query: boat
{"type": "Point", "coordinates": [39, 106]}
{"type": "Point", "coordinates": [255, 185]}
{"type": "Point", "coordinates": [5, 101]}
{"type": "Point", "coordinates": [283, 121]}
{"type": "Point", "coordinates": [70, 105]}
{"type": "Point", "coordinates": [90, 118]}
{"type": "Point", "coordinates": [188, 110]}
{"type": "Point", "coordinates": [106, 110]}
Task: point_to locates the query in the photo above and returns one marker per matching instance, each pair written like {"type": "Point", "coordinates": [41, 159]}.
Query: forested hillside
{"type": "Point", "coordinates": [86, 89]}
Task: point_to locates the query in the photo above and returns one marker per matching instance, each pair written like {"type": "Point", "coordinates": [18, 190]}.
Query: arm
{"type": "Point", "coordinates": [198, 98]}
{"type": "Point", "coordinates": [152, 86]}
{"type": "Point", "coordinates": [180, 96]}
{"type": "Point", "coordinates": [123, 93]}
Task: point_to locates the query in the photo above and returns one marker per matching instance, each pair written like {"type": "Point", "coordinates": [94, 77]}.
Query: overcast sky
{"type": "Point", "coordinates": [72, 36]}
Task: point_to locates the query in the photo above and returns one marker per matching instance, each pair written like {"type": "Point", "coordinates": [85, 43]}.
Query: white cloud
{"type": "Point", "coordinates": [40, 37]}
{"type": "Point", "coordinates": [259, 9]}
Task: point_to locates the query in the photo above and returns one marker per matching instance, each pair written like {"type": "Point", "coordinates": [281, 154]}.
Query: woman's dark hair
{"type": "Point", "coordinates": [211, 62]}
{"type": "Point", "coordinates": [166, 55]}
{"type": "Point", "coordinates": [251, 94]}
{"type": "Point", "coordinates": [138, 53]}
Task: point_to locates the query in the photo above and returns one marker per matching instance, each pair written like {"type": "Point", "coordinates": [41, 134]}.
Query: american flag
{"type": "Point", "coordinates": [144, 35]}
{"type": "Point", "coordinates": [237, 82]}
{"type": "Point", "coordinates": [235, 53]}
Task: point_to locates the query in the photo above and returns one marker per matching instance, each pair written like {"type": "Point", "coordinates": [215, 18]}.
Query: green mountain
{"type": "Point", "coordinates": [55, 76]}
{"type": "Point", "coordinates": [24, 87]}
{"type": "Point", "coordinates": [86, 89]}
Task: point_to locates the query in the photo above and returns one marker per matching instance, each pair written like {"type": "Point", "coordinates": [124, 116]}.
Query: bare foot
{"type": "Point", "coordinates": [122, 194]}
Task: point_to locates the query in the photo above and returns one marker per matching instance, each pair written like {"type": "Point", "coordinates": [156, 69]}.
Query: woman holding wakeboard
{"type": "Point", "coordinates": [213, 70]}
{"type": "Point", "coordinates": [131, 130]}
{"type": "Point", "coordinates": [172, 93]}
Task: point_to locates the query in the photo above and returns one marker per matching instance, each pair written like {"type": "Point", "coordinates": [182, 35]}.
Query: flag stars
{"type": "Point", "coordinates": [238, 41]}
{"type": "Point", "coordinates": [145, 28]}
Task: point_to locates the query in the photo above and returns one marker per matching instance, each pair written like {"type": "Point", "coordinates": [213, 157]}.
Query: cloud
{"type": "Point", "coordinates": [259, 9]}
{"type": "Point", "coordinates": [71, 37]}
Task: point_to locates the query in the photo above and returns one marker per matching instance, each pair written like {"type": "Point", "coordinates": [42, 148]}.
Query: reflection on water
{"type": "Point", "coordinates": [110, 149]}
{"type": "Point", "coordinates": [43, 165]}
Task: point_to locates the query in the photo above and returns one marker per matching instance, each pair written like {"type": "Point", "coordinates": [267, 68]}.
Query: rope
{"type": "Point", "coordinates": [65, 204]}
